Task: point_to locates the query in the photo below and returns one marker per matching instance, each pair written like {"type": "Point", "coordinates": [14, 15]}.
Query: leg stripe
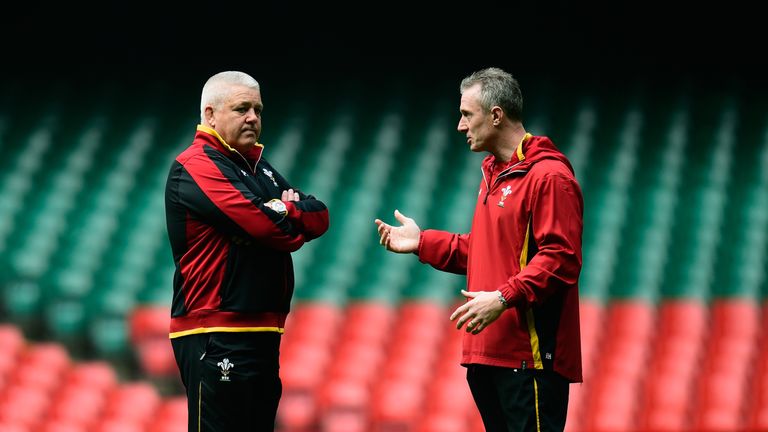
{"type": "Point", "coordinates": [536, 398]}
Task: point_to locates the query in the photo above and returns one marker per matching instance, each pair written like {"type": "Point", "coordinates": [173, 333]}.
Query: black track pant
{"type": "Point", "coordinates": [232, 380]}
{"type": "Point", "coordinates": [519, 400]}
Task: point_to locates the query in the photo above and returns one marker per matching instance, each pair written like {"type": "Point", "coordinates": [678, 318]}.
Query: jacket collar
{"type": "Point", "coordinates": [531, 149]}
{"type": "Point", "coordinates": [211, 137]}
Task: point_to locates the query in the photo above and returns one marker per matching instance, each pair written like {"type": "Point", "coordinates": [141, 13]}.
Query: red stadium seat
{"type": "Point", "coordinates": [57, 425]}
{"type": "Point", "coordinates": [11, 339]}
{"type": "Point", "coordinates": [759, 418]}
{"type": "Point", "coordinates": [343, 406]}
{"type": "Point", "coordinates": [341, 420]}
{"type": "Point", "coordinates": [369, 321]}
{"type": "Point", "coordinates": [396, 403]}
{"type": "Point", "coordinates": [303, 367]}
{"type": "Point", "coordinates": [445, 421]}
{"type": "Point", "coordinates": [297, 411]}
{"type": "Point", "coordinates": [78, 405]}
{"type": "Point", "coordinates": [344, 394]}
{"type": "Point", "coordinates": [6, 426]}
{"type": "Point", "coordinates": [133, 402]}
{"type": "Point", "coordinates": [448, 394]}
{"type": "Point", "coordinates": [721, 401]}
{"type": "Point", "coordinates": [119, 425]}
{"type": "Point", "coordinates": [357, 360]}
{"type": "Point", "coordinates": [613, 404]}
{"type": "Point", "coordinates": [680, 317]}
{"type": "Point", "coordinates": [631, 318]}
{"type": "Point", "coordinates": [49, 354]}
{"type": "Point", "coordinates": [735, 317]}
{"type": "Point", "coordinates": [591, 319]}
{"type": "Point", "coordinates": [667, 399]}
{"type": "Point", "coordinates": [171, 415]}
{"type": "Point", "coordinates": [757, 390]}
{"type": "Point", "coordinates": [316, 322]}
{"type": "Point", "coordinates": [23, 405]}
{"type": "Point", "coordinates": [95, 374]}
{"type": "Point", "coordinates": [149, 321]}
{"type": "Point", "coordinates": [156, 357]}
{"type": "Point", "coordinates": [148, 327]}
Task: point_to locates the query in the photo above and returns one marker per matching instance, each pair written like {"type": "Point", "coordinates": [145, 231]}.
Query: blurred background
{"type": "Point", "coordinates": [667, 130]}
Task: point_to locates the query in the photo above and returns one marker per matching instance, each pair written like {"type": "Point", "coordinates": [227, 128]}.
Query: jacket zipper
{"type": "Point", "coordinates": [505, 173]}
{"type": "Point", "coordinates": [253, 170]}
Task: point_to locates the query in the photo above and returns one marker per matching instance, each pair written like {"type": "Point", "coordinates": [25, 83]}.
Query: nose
{"type": "Point", "coordinates": [253, 115]}
{"type": "Point", "coordinates": [462, 126]}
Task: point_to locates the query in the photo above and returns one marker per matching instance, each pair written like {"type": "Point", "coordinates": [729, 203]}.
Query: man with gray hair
{"type": "Point", "coordinates": [233, 222]}
{"type": "Point", "coordinates": [522, 260]}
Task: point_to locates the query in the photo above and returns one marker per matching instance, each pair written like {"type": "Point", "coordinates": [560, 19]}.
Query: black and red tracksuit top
{"type": "Point", "coordinates": [232, 253]}
{"type": "Point", "coordinates": [525, 242]}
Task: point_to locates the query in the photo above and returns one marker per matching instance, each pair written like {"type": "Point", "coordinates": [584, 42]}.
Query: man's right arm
{"type": "Point", "coordinates": [214, 193]}
{"type": "Point", "coordinates": [444, 251]}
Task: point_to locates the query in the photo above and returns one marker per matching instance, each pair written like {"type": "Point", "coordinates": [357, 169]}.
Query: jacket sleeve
{"type": "Point", "coordinates": [214, 193]}
{"type": "Point", "coordinates": [444, 251]}
{"type": "Point", "coordinates": [557, 224]}
{"type": "Point", "coordinates": [309, 215]}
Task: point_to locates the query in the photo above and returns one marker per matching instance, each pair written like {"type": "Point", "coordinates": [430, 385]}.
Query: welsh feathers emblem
{"type": "Point", "coordinates": [504, 193]}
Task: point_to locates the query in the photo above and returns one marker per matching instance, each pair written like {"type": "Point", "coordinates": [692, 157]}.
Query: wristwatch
{"type": "Point", "coordinates": [277, 206]}
{"type": "Point", "coordinates": [502, 300]}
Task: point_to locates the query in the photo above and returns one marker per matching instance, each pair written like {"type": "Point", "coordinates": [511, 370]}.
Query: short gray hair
{"type": "Point", "coordinates": [497, 87]}
{"type": "Point", "coordinates": [219, 86]}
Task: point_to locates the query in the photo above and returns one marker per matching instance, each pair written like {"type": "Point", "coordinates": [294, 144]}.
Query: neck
{"type": "Point", "coordinates": [509, 141]}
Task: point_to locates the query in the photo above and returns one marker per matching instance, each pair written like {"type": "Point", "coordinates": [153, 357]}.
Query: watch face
{"type": "Point", "coordinates": [277, 206]}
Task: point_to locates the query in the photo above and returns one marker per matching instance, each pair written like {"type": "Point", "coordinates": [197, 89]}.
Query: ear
{"type": "Point", "coordinates": [209, 116]}
{"type": "Point", "coordinates": [497, 114]}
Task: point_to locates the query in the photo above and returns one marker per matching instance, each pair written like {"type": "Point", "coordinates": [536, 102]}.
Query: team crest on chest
{"type": "Point", "coordinates": [504, 193]}
{"type": "Point", "coordinates": [268, 173]}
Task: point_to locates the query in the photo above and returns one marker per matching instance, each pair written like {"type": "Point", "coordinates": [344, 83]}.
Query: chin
{"type": "Point", "coordinates": [244, 147]}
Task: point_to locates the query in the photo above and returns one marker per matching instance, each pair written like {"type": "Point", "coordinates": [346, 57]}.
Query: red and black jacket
{"type": "Point", "coordinates": [232, 253]}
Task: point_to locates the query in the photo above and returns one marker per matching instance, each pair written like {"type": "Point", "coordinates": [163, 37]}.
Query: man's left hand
{"type": "Point", "coordinates": [479, 312]}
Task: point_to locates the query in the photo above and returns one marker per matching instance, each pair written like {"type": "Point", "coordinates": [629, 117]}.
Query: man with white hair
{"type": "Point", "coordinates": [233, 222]}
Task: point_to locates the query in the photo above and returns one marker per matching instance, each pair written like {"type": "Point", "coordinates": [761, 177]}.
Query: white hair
{"type": "Point", "coordinates": [218, 88]}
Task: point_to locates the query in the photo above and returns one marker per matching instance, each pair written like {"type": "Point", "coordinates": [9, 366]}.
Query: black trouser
{"type": "Point", "coordinates": [232, 380]}
{"type": "Point", "coordinates": [519, 400]}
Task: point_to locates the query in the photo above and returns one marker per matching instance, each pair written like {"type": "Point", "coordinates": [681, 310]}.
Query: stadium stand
{"type": "Point", "coordinates": [674, 308]}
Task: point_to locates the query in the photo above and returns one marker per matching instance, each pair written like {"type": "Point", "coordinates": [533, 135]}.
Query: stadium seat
{"type": "Point", "coordinates": [613, 404]}
{"type": "Point", "coordinates": [77, 405]}
{"type": "Point", "coordinates": [344, 405]}
{"type": "Point", "coordinates": [58, 426]}
{"type": "Point", "coordinates": [356, 360]}
{"type": "Point", "coordinates": [97, 374]}
{"type": "Point", "coordinates": [297, 411]}
{"type": "Point", "coordinates": [23, 406]}
{"type": "Point", "coordinates": [303, 366]}
{"type": "Point", "coordinates": [148, 327]}
{"type": "Point", "coordinates": [446, 421]}
{"type": "Point", "coordinates": [170, 416]}
{"type": "Point", "coordinates": [735, 318]}
{"type": "Point", "coordinates": [721, 402]}
{"type": "Point", "coordinates": [666, 402]}
{"type": "Point", "coordinates": [121, 425]}
{"type": "Point", "coordinates": [134, 402]}
{"type": "Point", "coordinates": [149, 321]}
{"type": "Point", "coordinates": [396, 404]}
